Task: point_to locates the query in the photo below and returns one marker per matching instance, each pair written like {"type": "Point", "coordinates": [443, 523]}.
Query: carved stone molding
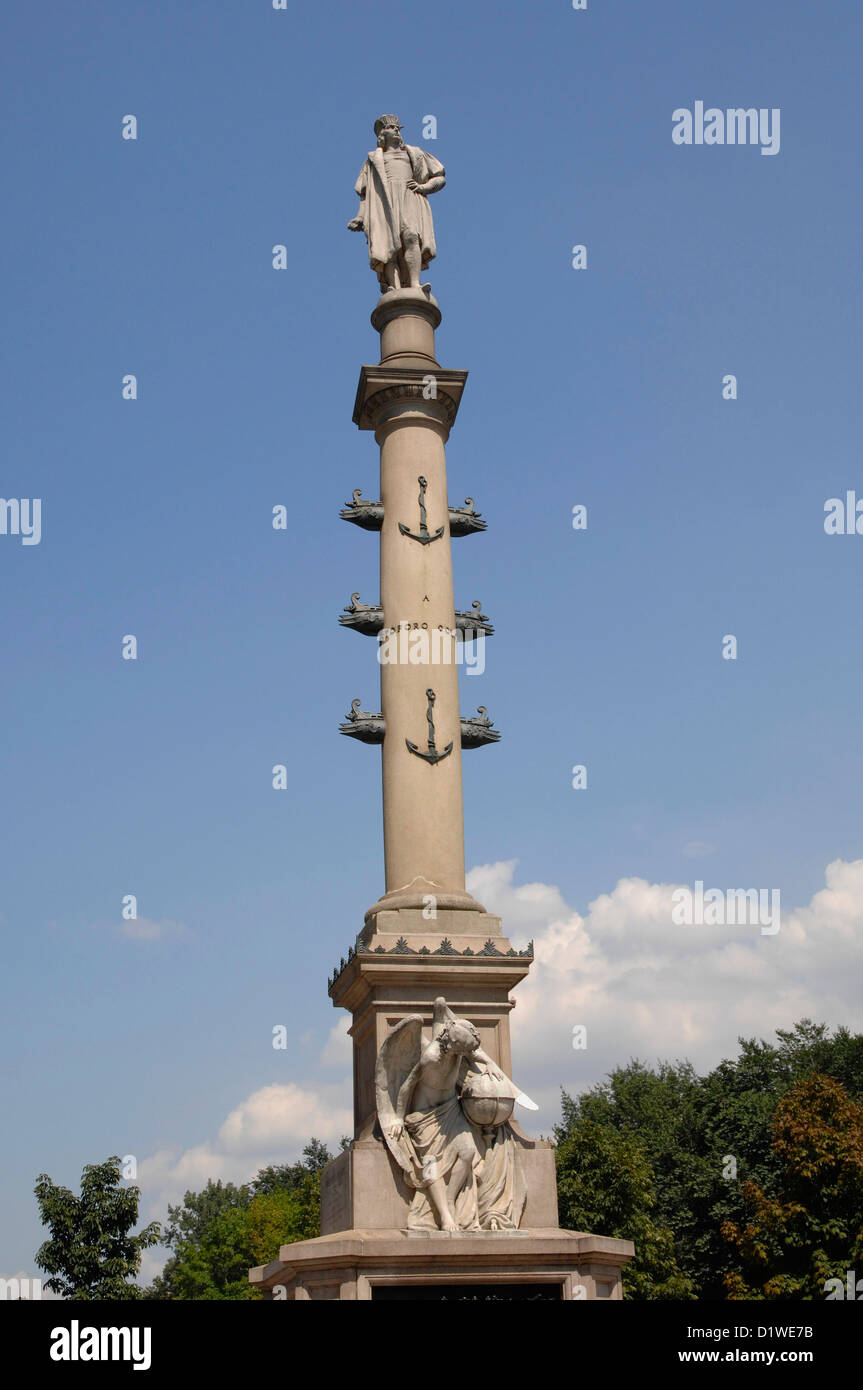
{"type": "Point", "coordinates": [443, 407]}
{"type": "Point", "coordinates": [445, 948]}
{"type": "Point", "coordinates": [383, 392]}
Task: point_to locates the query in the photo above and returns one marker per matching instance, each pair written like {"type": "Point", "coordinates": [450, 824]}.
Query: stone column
{"type": "Point", "coordinates": [405, 957]}
{"type": "Point", "coordinates": [410, 402]}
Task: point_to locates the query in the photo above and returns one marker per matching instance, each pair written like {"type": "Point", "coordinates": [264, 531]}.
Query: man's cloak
{"type": "Point", "coordinates": [380, 222]}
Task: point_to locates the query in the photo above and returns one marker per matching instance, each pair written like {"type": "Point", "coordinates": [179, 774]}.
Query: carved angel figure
{"type": "Point", "coordinates": [443, 1108]}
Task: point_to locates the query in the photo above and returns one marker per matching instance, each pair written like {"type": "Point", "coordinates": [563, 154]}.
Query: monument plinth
{"type": "Point", "coordinates": [440, 1190]}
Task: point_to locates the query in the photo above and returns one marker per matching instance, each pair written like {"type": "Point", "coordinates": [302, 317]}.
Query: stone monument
{"type": "Point", "coordinates": [440, 1194]}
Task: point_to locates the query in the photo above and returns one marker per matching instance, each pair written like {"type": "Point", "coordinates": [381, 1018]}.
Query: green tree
{"type": "Point", "coordinates": [287, 1202]}
{"type": "Point", "coordinates": [735, 1108]}
{"type": "Point", "coordinates": [91, 1254]}
{"type": "Point", "coordinates": [278, 1218]}
{"type": "Point", "coordinates": [189, 1220]}
{"type": "Point", "coordinates": [812, 1230]}
{"type": "Point", "coordinates": [187, 1227]}
{"type": "Point", "coordinates": [605, 1183]}
{"type": "Point", "coordinates": [706, 1138]}
{"type": "Point", "coordinates": [216, 1266]}
{"type": "Point", "coordinates": [286, 1177]}
{"type": "Point", "coordinates": [217, 1234]}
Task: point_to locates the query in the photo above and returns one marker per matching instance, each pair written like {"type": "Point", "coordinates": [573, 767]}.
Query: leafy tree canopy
{"type": "Point", "coordinates": [90, 1253]}
{"type": "Point", "coordinates": [709, 1144]}
{"type": "Point", "coordinates": [216, 1235]}
{"type": "Point", "coordinates": [812, 1230]}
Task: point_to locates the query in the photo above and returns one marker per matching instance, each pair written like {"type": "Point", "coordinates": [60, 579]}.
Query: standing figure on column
{"type": "Point", "coordinates": [393, 188]}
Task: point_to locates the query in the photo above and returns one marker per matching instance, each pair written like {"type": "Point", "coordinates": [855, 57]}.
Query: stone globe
{"type": "Point", "coordinates": [485, 1100]}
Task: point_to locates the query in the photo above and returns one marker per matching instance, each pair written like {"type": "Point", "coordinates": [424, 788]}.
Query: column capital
{"type": "Point", "coordinates": [386, 392]}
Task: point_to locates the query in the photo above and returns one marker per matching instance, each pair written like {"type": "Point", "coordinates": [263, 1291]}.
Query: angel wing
{"type": "Point", "coordinates": [399, 1054]}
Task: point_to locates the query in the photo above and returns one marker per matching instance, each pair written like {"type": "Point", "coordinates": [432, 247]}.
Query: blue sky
{"type": "Point", "coordinates": [600, 387]}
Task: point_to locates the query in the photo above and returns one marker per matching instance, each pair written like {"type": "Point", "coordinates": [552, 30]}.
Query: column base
{"type": "Point", "coordinates": [424, 897]}
{"type": "Point", "coordinates": [362, 1265]}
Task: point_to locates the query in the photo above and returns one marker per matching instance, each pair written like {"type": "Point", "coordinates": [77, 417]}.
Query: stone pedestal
{"type": "Point", "coordinates": [363, 1189]}
{"type": "Point", "coordinates": [381, 1264]}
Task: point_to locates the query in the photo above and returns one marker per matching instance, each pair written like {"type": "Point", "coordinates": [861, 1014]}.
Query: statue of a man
{"type": "Point", "coordinates": [466, 1175]}
{"type": "Point", "coordinates": [393, 188]}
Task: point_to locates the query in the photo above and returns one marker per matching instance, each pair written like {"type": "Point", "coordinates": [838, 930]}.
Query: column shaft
{"type": "Point", "coordinates": [423, 814]}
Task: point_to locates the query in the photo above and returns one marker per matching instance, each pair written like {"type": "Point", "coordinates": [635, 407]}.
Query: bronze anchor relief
{"type": "Point", "coordinates": [432, 756]}
{"type": "Point", "coordinates": [425, 537]}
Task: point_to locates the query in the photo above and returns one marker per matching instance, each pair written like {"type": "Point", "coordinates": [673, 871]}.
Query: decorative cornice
{"type": "Point", "coordinates": [445, 948]}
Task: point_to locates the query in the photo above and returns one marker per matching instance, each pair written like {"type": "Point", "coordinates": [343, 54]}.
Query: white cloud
{"type": "Point", "coordinates": [645, 987]}
{"type": "Point", "coordinates": [338, 1051]}
{"type": "Point", "coordinates": [523, 908]}
{"type": "Point", "coordinates": [279, 1117]}
{"type": "Point", "coordinates": [270, 1126]}
{"type": "Point", "coordinates": [144, 929]}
